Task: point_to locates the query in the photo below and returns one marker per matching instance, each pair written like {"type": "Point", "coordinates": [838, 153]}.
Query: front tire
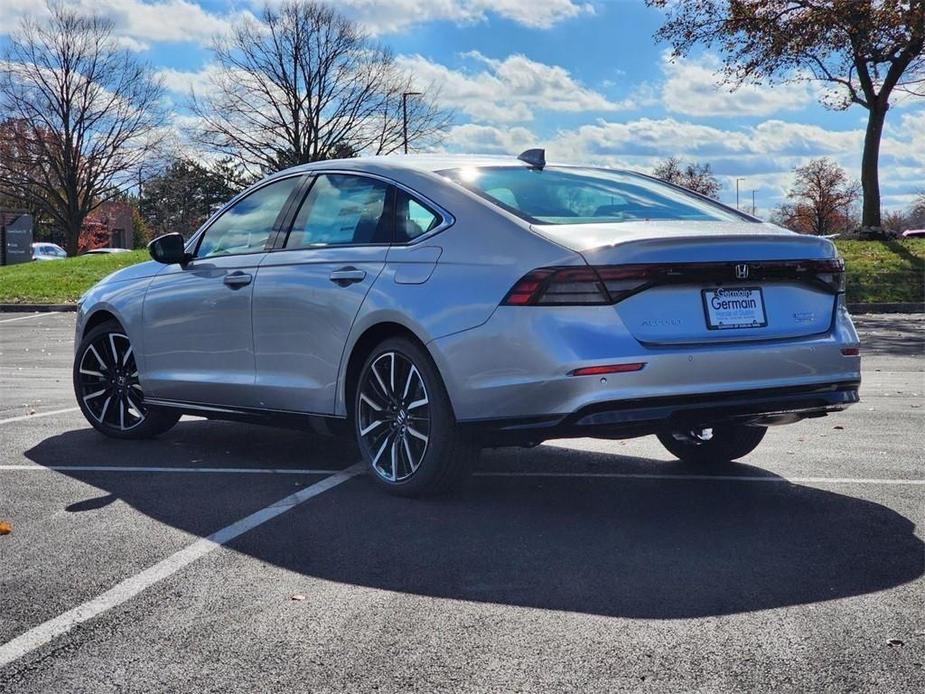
{"type": "Point", "coordinates": [718, 445]}
{"type": "Point", "coordinates": [108, 390]}
{"type": "Point", "coordinates": [404, 423]}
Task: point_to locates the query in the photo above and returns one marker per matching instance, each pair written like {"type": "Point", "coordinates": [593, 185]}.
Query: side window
{"type": "Point", "coordinates": [246, 226]}
{"type": "Point", "coordinates": [412, 218]}
{"type": "Point", "coordinates": [342, 209]}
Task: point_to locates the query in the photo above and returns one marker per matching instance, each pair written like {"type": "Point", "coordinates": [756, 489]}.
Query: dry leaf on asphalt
{"type": "Point", "coordinates": [5, 528]}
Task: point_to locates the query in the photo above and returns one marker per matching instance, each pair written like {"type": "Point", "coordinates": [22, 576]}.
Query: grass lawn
{"type": "Point", "coordinates": [877, 271]}
{"type": "Point", "coordinates": [60, 281]}
{"type": "Point", "coordinates": [884, 271]}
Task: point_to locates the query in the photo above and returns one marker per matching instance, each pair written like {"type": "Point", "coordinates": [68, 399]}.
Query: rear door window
{"type": "Point", "coordinates": [342, 209]}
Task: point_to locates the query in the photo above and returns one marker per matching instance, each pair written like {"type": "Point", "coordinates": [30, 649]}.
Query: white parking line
{"type": "Point", "coordinates": [711, 478]}
{"type": "Point", "coordinates": [130, 587]}
{"type": "Point", "coordinates": [31, 315]}
{"type": "Point", "coordinates": [576, 475]}
{"type": "Point", "coordinates": [127, 468]}
{"type": "Point", "coordinates": [39, 414]}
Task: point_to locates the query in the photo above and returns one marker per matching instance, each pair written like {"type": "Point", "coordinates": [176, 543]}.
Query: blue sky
{"type": "Point", "coordinates": [582, 78]}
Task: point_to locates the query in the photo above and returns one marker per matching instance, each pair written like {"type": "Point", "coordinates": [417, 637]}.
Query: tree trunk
{"type": "Point", "coordinates": [72, 239]}
{"type": "Point", "coordinates": [870, 177]}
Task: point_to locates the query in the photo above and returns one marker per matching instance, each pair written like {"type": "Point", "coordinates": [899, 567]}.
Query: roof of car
{"type": "Point", "coordinates": [420, 162]}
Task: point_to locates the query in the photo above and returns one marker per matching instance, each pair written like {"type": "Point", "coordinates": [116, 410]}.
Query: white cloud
{"type": "Point", "coordinates": [692, 87]}
{"type": "Point", "coordinates": [508, 90]}
{"type": "Point", "coordinates": [487, 139]}
{"type": "Point", "coordinates": [765, 154]}
{"type": "Point", "coordinates": [396, 15]}
{"type": "Point", "coordinates": [138, 24]}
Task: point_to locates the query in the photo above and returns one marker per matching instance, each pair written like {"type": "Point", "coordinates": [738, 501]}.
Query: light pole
{"type": "Point", "coordinates": [404, 115]}
{"type": "Point", "coordinates": [737, 191]}
{"type": "Point", "coordinates": [753, 202]}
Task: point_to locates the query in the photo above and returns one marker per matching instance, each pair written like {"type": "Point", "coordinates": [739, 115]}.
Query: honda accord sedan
{"type": "Point", "coordinates": [431, 306]}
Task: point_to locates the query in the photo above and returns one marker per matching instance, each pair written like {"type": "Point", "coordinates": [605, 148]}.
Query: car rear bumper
{"type": "Point", "coordinates": [638, 417]}
{"type": "Point", "coordinates": [520, 364]}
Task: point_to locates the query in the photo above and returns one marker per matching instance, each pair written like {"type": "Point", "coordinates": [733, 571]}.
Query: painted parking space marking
{"type": "Point", "coordinates": [31, 315]}
{"type": "Point", "coordinates": [39, 414]}
{"type": "Point", "coordinates": [44, 633]}
{"type": "Point", "coordinates": [566, 475]}
{"type": "Point", "coordinates": [126, 468]}
{"type": "Point", "coordinates": [710, 478]}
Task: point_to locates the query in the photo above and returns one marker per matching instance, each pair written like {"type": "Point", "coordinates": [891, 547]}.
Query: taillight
{"type": "Point", "coordinates": [568, 286]}
{"type": "Point", "coordinates": [609, 284]}
{"type": "Point", "coordinates": [831, 273]}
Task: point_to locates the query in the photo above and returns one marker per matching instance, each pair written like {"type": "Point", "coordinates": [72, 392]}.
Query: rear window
{"type": "Point", "coordinates": [584, 196]}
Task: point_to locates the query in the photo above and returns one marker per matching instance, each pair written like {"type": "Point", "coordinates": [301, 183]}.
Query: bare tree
{"type": "Point", "coordinates": [693, 176]}
{"type": "Point", "coordinates": [916, 214]}
{"type": "Point", "coordinates": [82, 115]}
{"type": "Point", "coordinates": [305, 84]}
{"type": "Point", "coordinates": [865, 49]}
{"type": "Point", "coordinates": [821, 199]}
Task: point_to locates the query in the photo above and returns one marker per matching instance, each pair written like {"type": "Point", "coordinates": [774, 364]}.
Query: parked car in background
{"type": "Point", "coordinates": [434, 305]}
{"type": "Point", "coordinates": [48, 251]}
{"type": "Point", "coordinates": [105, 251]}
{"type": "Point", "coordinates": [914, 234]}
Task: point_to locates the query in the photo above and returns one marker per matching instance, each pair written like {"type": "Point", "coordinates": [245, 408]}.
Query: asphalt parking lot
{"type": "Point", "coordinates": [225, 557]}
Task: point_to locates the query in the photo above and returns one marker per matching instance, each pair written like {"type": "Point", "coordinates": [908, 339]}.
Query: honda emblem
{"type": "Point", "coordinates": [742, 272]}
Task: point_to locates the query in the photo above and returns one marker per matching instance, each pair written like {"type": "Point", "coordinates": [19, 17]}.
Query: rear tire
{"type": "Point", "coordinates": [108, 390]}
{"type": "Point", "coordinates": [728, 442]}
{"type": "Point", "coordinates": [404, 423]}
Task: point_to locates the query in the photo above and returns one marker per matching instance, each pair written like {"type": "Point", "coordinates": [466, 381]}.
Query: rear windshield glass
{"type": "Point", "coordinates": [584, 196]}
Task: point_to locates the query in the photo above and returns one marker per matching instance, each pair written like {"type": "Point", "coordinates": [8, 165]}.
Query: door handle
{"type": "Point", "coordinates": [346, 276]}
{"type": "Point", "coordinates": [238, 279]}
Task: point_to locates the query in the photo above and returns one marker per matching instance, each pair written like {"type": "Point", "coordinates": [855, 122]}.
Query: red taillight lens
{"type": "Point", "coordinates": [831, 273]}
{"type": "Point", "coordinates": [851, 351]}
{"type": "Point", "coordinates": [570, 286]}
{"type": "Point", "coordinates": [609, 369]}
{"type": "Point", "coordinates": [609, 284]}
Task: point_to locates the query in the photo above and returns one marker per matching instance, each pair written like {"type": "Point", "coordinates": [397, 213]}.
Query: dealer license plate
{"type": "Point", "coordinates": [728, 308]}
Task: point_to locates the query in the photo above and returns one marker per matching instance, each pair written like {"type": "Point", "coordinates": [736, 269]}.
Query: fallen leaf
{"type": "Point", "coordinates": [5, 528]}
{"type": "Point", "coordinates": [298, 596]}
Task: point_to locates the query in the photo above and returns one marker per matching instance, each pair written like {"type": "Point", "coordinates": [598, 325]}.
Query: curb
{"type": "Point", "coordinates": [36, 308]}
{"type": "Point", "coordinates": [907, 307]}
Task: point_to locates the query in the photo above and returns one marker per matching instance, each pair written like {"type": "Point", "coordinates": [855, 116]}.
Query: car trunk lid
{"type": "Point", "coordinates": [704, 282]}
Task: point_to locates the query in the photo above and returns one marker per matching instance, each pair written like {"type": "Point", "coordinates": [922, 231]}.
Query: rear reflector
{"type": "Point", "coordinates": [610, 369]}
{"type": "Point", "coordinates": [851, 351]}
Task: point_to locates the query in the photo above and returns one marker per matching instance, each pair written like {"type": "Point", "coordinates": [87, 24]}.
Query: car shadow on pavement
{"type": "Point", "coordinates": [642, 548]}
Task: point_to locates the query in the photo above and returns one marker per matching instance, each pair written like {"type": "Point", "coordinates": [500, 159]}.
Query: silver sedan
{"type": "Point", "coordinates": [431, 306]}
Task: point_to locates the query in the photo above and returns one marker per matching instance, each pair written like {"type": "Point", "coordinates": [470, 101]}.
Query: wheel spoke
{"type": "Point", "coordinates": [394, 458]}
{"type": "Point", "coordinates": [105, 407]}
{"type": "Point", "coordinates": [385, 442]}
{"type": "Point", "coordinates": [404, 440]}
{"type": "Point", "coordinates": [127, 354]}
{"type": "Point", "coordinates": [112, 345]}
{"type": "Point", "coordinates": [95, 395]}
{"type": "Point", "coordinates": [366, 430]}
{"type": "Point", "coordinates": [99, 360]}
{"type": "Point", "coordinates": [385, 390]}
{"type": "Point", "coordinates": [365, 398]}
{"type": "Point", "coordinates": [418, 403]}
{"type": "Point", "coordinates": [417, 434]}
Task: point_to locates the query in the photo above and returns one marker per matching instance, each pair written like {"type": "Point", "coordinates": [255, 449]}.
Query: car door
{"type": "Point", "coordinates": [198, 333]}
{"type": "Point", "coordinates": [308, 290]}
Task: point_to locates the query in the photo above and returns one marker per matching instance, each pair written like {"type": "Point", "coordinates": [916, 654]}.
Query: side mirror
{"type": "Point", "coordinates": [168, 249]}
